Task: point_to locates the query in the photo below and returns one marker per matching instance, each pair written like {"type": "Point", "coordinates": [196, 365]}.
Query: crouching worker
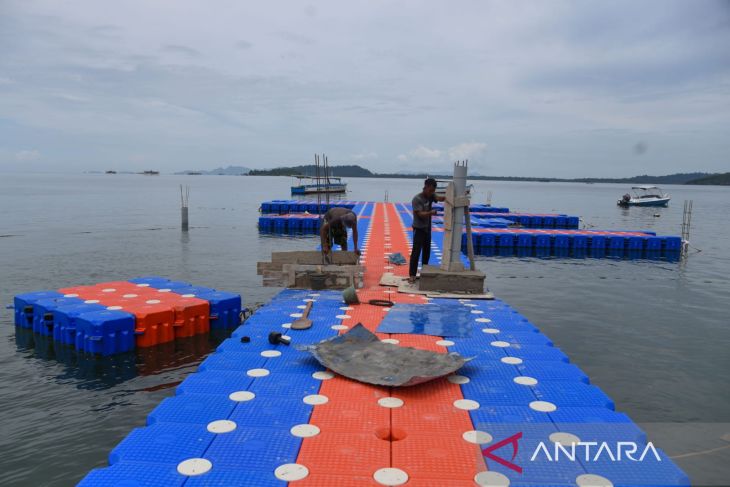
{"type": "Point", "coordinates": [334, 229]}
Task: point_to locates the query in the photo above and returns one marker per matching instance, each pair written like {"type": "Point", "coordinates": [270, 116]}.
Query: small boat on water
{"type": "Point", "coordinates": [151, 173]}
{"type": "Point", "coordinates": [645, 196]}
{"type": "Point", "coordinates": [314, 185]}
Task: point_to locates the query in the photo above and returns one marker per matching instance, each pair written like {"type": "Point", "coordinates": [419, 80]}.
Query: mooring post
{"type": "Point", "coordinates": [184, 199]}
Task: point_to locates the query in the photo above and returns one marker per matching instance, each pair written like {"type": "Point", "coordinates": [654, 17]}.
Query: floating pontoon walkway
{"type": "Point", "coordinates": [261, 415]}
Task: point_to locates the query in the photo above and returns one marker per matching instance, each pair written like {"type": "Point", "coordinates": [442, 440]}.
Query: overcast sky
{"type": "Point", "coordinates": [544, 88]}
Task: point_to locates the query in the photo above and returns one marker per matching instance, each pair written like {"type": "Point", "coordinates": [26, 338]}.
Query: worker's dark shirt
{"type": "Point", "coordinates": [340, 216]}
{"type": "Point", "coordinates": [422, 203]}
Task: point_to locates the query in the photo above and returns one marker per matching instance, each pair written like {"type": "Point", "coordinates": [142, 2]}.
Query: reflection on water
{"type": "Point", "coordinates": [96, 372]}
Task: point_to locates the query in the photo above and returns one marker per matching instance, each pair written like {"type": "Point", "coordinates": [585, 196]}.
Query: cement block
{"type": "Point", "coordinates": [436, 279]}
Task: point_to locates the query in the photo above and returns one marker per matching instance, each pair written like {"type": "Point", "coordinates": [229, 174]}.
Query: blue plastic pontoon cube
{"type": "Point", "coordinates": [105, 332]}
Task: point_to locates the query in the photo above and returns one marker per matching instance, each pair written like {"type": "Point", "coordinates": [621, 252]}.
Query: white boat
{"type": "Point", "coordinates": [645, 196]}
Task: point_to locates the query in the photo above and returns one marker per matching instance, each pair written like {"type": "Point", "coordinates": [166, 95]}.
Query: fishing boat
{"type": "Point", "coordinates": [314, 185]}
{"type": "Point", "coordinates": [645, 196]}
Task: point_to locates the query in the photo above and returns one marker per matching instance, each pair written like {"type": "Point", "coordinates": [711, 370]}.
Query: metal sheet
{"type": "Point", "coordinates": [443, 320]}
{"type": "Point", "coordinates": [360, 355]}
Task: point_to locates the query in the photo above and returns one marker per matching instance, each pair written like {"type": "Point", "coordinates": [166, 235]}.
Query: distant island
{"type": "Point", "coordinates": [715, 179]}
{"type": "Point", "coordinates": [221, 171]}
{"type": "Point", "coordinates": [355, 171]}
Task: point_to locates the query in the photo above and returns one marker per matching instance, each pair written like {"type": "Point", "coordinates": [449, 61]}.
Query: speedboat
{"type": "Point", "coordinates": [645, 196]}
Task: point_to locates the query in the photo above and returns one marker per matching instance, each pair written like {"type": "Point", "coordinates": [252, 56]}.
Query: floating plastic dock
{"type": "Point", "coordinates": [115, 317]}
{"type": "Point", "coordinates": [257, 414]}
{"type": "Point", "coordinates": [300, 206]}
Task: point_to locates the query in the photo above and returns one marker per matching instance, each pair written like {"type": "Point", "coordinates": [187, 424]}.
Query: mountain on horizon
{"type": "Point", "coordinates": [221, 171]}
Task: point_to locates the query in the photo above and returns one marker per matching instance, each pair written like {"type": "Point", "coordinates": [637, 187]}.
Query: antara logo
{"type": "Point", "coordinates": [593, 451]}
{"type": "Point", "coordinates": [512, 440]}
{"type": "Point", "coordinates": [589, 451]}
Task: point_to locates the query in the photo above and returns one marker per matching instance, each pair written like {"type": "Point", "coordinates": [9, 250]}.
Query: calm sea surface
{"type": "Point", "coordinates": [654, 335]}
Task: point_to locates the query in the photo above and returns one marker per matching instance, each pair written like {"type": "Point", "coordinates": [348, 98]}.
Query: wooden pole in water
{"type": "Point", "coordinates": [184, 198]}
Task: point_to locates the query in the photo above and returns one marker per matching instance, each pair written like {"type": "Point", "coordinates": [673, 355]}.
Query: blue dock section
{"type": "Point", "coordinates": [256, 414]}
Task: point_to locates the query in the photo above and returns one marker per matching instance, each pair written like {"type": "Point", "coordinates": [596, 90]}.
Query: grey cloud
{"type": "Point", "coordinates": [566, 88]}
{"type": "Point", "coordinates": [177, 49]}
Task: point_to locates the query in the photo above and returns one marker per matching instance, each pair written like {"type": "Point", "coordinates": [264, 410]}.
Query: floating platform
{"type": "Point", "coordinates": [300, 206]}
{"type": "Point", "coordinates": [256, 414]}
{"type": "Point", "coordinates": [119, 316]}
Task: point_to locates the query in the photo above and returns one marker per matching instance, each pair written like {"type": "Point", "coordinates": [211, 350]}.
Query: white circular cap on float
{"type": "Point", "coordinates": [483, 320]}
{"type": "Point", "coordinates": [343, 317]}
{"type": "Point", "coordinates": [466, 404]}
{"type": "Point", "coordinates": [153, 301]}
{"type": "Point", "coordinates": [108, 290]}
{"type": "Point", "coordinates": [113, 308]}
{"type": "Point", "coordinates": [221, 426]}
{"type": "Point", "coordinates": [445, 343]}
{"type": "Point", "coordinates": [390, 402]}
{"type": "Point", "coordinates": [241, 396]}
{"type": "Point", "coordinates": [491, 479]}
{"type": "Point", "coordinates": [476, 311]}
{"type": "Point", "coordinates": [411, 295]}
{"type": "Point", "coordinates": [543, 406]}
{"type": "Point", "coordinates": [477, 437]}
{"type": "Point", "coordinates": [592, 480]}
{"type": "Point", "coordinates": [471, 305]}
{"type": "Point", "coordinates": [144, 284]}
{"type": "Point", "coordinates": [296, 315]}
{"type": "Point", "coordinates": [314, 295]}
{"type": "Point", "coordinates": [71, 295]}
{"type": "Point", "coordinates": [500, 344]}
{"type": "Point", "coordinates": [511, 360]}
{"type": "Point", "coordinates": [524, 380]}
{"type": "Point", "coordinates": [91, 301]}
{"type": "Point", "coordinates": [309, 300]}
{"type": "Point", "coordinates": [565, 439]}
{"type": "Point", "coordinates": [290, 472]}
{"type": "Point", "coordinates": [346, 308]}
{"type": "Point", "coordinates": [301, 306]}
{"type": "Point", "coordinates": [323, 375]}
{"type": "Point", "coordinates": [304, 430]}
{"type": "Point", "coordinates": [386, 309]}
{"type": "Point", "coordinates": [188, 295]}
{"type": "Point", "coordinates": [392, 341]}
{"type": "Point", "coordinates": [130, 296]}
{"type": "Point", "coordinates": [286, 325]}
{"type": "Point", "coordinates": [339, 327]}
{"type": "Point", "coordinates": [490, 330]}
{"type": "Point", "coordinates": [271, 353]}
{"type": "Point", "coordinates": [390, 476]}
{"type": "Point", "coordinates": [165, 290]}
{"type": "Point", "coordinates": [458, 379]}
{"type": "Point", "coordinates": [257, 372]}
{"type": "Point", "coordinates": [315, 399]}
{"type": "Point", "coordinates": [194, 466]}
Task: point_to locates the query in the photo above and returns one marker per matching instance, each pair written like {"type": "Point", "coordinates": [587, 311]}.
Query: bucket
{"type": "Point", "coordinates": [349, 295]}
{"type": "Point", "coordinates": [318, 281]}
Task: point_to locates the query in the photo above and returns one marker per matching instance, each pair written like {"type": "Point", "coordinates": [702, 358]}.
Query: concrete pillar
{"type": "Point", "coordinates": [452, 262]}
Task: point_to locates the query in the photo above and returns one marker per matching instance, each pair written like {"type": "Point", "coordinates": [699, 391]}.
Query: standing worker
{"type": "Point", "coordinates": [334, 229]}
{"type": "Point", "coordinates": [422, 213]}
